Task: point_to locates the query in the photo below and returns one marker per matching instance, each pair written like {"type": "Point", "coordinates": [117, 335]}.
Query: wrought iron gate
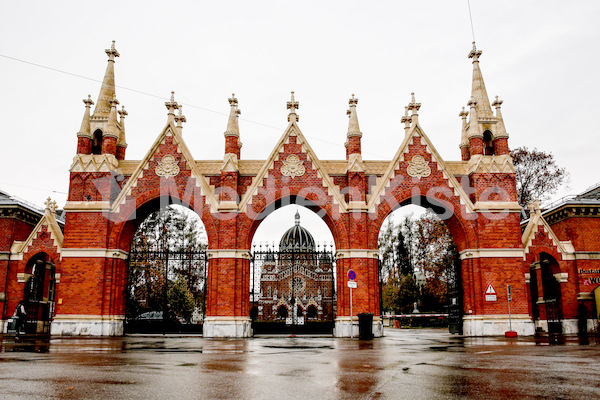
{"type": "Point", "coordinates": [292, 291]}
{"type": "Point", "coordinates": [38, 298]}
{"type": "Point", "coordinates": [552, 300]}
{"type": "Point", "coordinates": [455, 298]}
{"type": "Point", "coordinates": [166, 291]}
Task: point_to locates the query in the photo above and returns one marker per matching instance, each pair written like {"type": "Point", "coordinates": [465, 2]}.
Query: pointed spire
{"type": "Point", "coordinates": [171, 106]}
{"type": "Point", "coordinates": [293, 105]}
{"type": "Point", "coordinates": [85, 123]}
{"type": "Point", "coordinates": [107, 90]}
{"type": "Point", "coordinates": [122, 115]}
{"type": "Point", "coordinates": [180, 119]}
{"type": "Point", "coordinates": [297, 218]}
{"type": "Point", "coordinates": [500, 131]}
{"type": "Point", "coordinates": [414, 107]}
{"type": "Point", "coordinates": [478, 91]}
{"type": "Point", "coordinates": [353, 128]}
{"type": "Point", "coordinates": [406, 120]}
{"type": "Point", "coordinates": [113, 128]}
{"type": "Point", "coordinates": [464, 139]}
{"type": "Point", "coordinates": [232, 124]}
{"type": "Point", "coordinates": [474, 126]}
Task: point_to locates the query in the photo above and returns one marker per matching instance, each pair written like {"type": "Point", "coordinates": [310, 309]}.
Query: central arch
{"type": "Point", "coordinates": [295, 268]}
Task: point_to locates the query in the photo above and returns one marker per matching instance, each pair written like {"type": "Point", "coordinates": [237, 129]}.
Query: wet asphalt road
{"type": "Point", "coordinates": [406, 364]}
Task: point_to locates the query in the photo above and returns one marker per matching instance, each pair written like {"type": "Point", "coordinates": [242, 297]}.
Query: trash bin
{"type": "Point", "coordinates": [365, 325]}
{"type": "Point", "coordinates": [12, 326]}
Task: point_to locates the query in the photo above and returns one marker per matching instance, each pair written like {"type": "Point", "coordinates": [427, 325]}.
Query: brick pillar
{"type": "Point", "coordinates": [228, 285]}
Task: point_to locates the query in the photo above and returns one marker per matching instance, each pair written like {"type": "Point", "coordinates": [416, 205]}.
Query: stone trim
{"type": "Point", "coordinates": [87, 206]}
{"type": "Point", "coordinates": [359, 206]}
{"type": "Point", "coordinates": [228, 206]}
{"type": "Point", "coordinates": [71, 317]}
{"type": "Point", "coordinates": [229, 253]}
{"type": "Point", "coordinates": [490, 253]}
{"type": "Point", "coordinates": [585, 296]}
{"type": "Point", "coordinates": [587, 255]}
{"type": "Point", "coordinates": [95, 253]}
{"type": "Point", "coordinates": [497, 206]}
{"type": "Point", "coordinates": [357, 253]}
{"type": "Point", "coordinates": [562, 277]}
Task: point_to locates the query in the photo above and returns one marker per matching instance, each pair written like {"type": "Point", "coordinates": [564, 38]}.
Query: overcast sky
{"type": "Point", "coordinates": [540, 57]}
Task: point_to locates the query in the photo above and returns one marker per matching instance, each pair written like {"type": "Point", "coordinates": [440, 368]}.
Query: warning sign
{"type": "Point", "coordinates": [490, 293]}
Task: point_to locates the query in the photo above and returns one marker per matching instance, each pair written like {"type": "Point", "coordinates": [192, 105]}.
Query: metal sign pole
{"type": "Point", "coordinates": [509, 298]}
{"type": "Point", "coordinates": [351, 318]}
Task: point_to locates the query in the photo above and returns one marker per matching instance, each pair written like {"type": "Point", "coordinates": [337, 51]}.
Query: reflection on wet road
{"type": "Point", "coordinates": [411, 364]}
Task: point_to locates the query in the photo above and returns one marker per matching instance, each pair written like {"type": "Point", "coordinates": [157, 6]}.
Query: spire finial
{"type": "Point", "coordinates": [293, 105]}
{"type": "Point", "coordinates": [172, 104]}
{"type": "Point", "coordinates": [497, 103]}
{"type": "Point", "coordinates": [474, 53]}
{"type": "Point", "coordinates": [50, 206]}
{"type": "Point", "coordinates": [463, 114]}
{"type": "Point", "coordinates": [353, 128]}
{"type": "Point", "coordinates": [413, 105]}
{"type": "Point", "coordinates": [112, 52]}
{"type": "Point", "coordinates": [88, 102]}
{"type": "Point", "coordinates": [534, 206]}
{"type": "Point", "coordinates": [233, 101]}
{"type": "Point", "coordinates": [297, 218]}
{"type": "Point", "coordinates": [232, 124]}
{"type": "Point", "coordinates": [122, 113]}
{"type": "Point", "coordinates": [353, 101]}
{"type": "Point", "coordinates": [406, 119]}
{"type": "Point", "coordinates": [114, 102]}
{"type": "Point", "coordinates": [180, 119]}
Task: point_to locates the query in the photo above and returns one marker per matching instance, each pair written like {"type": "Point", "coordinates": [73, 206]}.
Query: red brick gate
{"type": "Point", "coordinates": [109, 196]}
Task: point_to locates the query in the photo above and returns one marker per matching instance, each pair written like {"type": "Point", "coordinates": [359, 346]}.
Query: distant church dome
{"type": "Point", "coordinates": [297, 238]}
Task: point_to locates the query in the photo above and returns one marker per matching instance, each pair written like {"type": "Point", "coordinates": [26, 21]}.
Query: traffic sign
{"type": "Point", "coordinates": [490, 293]}
{"type": "Point", "coordinates": [352, 284]}
{"type": "Point", "coordinates": [351, 275]}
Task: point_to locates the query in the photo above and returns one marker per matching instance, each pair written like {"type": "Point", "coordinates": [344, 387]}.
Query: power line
{"type": "Point", "coordinates": [471, 19]}
{"type": "Point", "coordinates": [163, 98]}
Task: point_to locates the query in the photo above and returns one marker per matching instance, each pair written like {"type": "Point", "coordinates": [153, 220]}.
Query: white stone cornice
{"type": "Point", "coordinates": [491, 253]}
{"type": "Point", "coordinates": [587, 255]}
{"type": "Point", "coordinates": [94, 253]}
{"type": "Point", "coordinates": [497, 206]}
{"type": "Point", "coordinates": [87, 206]}
{"type": "Point", "coordinates": [229, 253]}
{"type": "Point", "coordinates": [361, 206]}
{"type": "Point", "coordinates": [228, 206]}
{"type": "Point", "coordinates": [357, 253]}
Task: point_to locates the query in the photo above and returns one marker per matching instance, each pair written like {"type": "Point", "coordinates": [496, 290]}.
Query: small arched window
{"type": "Point", "coordinates": [488, 143]}
{"type": "Point", "coordinates": [97, 142]}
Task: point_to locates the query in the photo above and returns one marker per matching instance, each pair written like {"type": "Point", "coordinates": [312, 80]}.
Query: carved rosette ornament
{"type": "Point", "coordinates": [418, 167]}
{"type": "Point", "coordinates": [167, 167]}
{"type": "Point", "coordinates": [292, 166]}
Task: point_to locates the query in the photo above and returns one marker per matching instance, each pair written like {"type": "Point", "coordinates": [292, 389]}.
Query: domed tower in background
{"type": "Point", "coordinates": [296, 280]}
{"type": "Point", "coordinates": [297, 238]}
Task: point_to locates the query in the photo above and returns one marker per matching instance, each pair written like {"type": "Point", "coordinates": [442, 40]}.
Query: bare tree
{"type": "Point", "coordinates": [538, 175]}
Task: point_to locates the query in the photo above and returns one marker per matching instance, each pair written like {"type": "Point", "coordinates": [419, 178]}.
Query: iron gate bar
{"type": "Point", "coordinates": [291, 275]}
{"type": "Point", "coordinates": [170, 262]}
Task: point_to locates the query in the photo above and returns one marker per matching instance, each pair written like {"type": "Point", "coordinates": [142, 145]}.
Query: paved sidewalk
{"type": "Point", "coordinates": [405, 364]}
